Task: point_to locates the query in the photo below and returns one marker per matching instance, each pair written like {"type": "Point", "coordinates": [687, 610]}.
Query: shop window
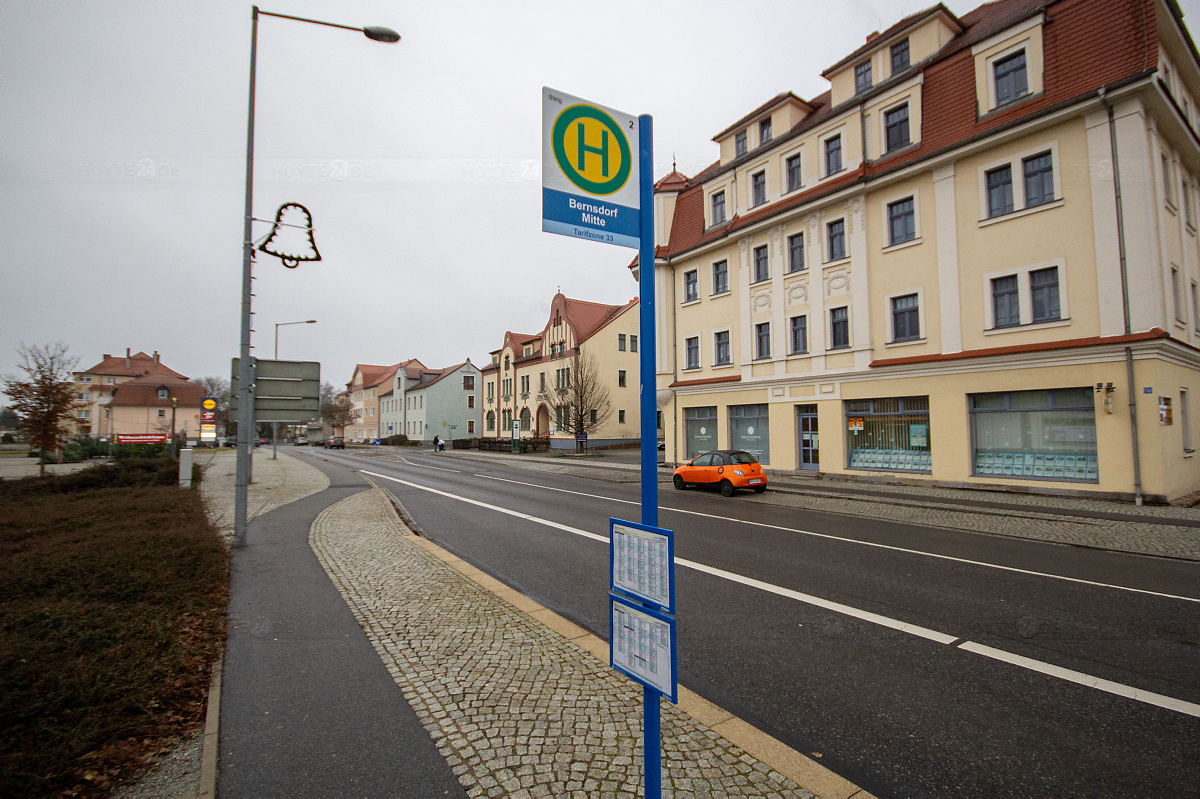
{"type": "Point", "coordinates": [889, 434]}
{"type": "Point", "coordinates": [749, 430]}
{"type": "Point", "coordinates": [700, 430]}
{"type": "Point", "coordinates": [1048, 435]}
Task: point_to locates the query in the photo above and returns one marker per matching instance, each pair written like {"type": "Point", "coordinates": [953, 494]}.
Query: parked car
{"type": "Point", "coordinates": [335, 442]}
{"type": "Point", "coordinates": [301, 441]}
{"type": "Point", "coordinates": [727, 469]}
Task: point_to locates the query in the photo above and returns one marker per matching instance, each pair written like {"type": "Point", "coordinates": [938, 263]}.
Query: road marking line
{"type": "Point", "coordinates": [1048, 669]}
{"type": "Point", "coordinates": [402, 459]}
{"type": "Point", "coordinates": [1120, 689]}
{"type": "Point", "coordinates": [862, 543]}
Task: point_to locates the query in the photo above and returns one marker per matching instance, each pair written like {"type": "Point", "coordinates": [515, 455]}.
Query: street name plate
{"type": "Point", "coordinates": [643, 646]}
{"type": "Point", "coordinates": [642, 562]}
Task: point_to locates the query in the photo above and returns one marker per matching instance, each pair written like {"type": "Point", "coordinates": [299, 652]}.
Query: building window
{"type": "Point", "coordinates": [799, 335]}
{"type": "Point", "coordinates": [721, 348]}
{"type": "Point", "coordinates": [1195, 306]}
{"type": "Point", "coordinates": [621, 378]}
{"type": "Point", "coordinates": [470, 400]}
{"type": "Point", "coordinates": [1043, 284]}
{"type": "Point", "coordinates": [999, 191]}
{"type": "Point", "coordinates": [691, 288]}
{"type": "Point", "coordinates": [632, 343]}
{"type": "Point", "coordinates": [525, 420]}
{"type": "Point", "coordinates": [620, 342]}
{"type": "Point", "coordinates": [541, 381]}
{"type": "Point", "coordinates": [836, 235]}
{"type": "Point", "coordinates": [1187, 205]}
{"type": "Point", "coordinates": [1041, 434]}
{"type": "Point", "coordinates": [524, 384]}
{"type": "Point", "coordinates": [1185, 421]}
{"type": "Point", "coordinates": [906, 318]}
{"type": "Point", "coordinates": [1168, 189]}
{"type": "Point", "coordinates": [691, 347]}
{"type": "Point", "coordinates": [162, 393]}
{"type": "Point", "coordinates": [621, 416]}
{"type": "Point", "coordinates": [739, 143]}
{"type": "Point", "coordinates": [833, 154]}
{"type": "Point", "coordinates": [899, 56]}
{"type": "Point", "coordinates": [491, 391]}
{"type": "Point", "coordinates": [1176, 294]}
{"type": "Point", "coordinates": [468, 382]}
{"type": "Point", "coordinates": [470, 427]}
{"type": "Point", "coordinates": [762, 270]}
{"type": "Point", "coordinates": [112, 381]}
{"type": "Point", "coordinates": [1039, 180]}
{"type": "Point", "coordinates": [595, 416]}
{"type": "Point", "coordinates": [839, 328]}
{"type": "Point", "coordinates": [889, 434]}
{"type": "Point", "coordinates": [720, 277]}
{"type": "Point", "coordinates": [758, 188]}
{"type": "Point", "coordinates": [762, 340]}
{"type": "Point", "coordinates": [1006, 310]}
{"type": "Point", "coordinates": [902, 222]}
{"type": "Point", "coordinates": [1011, 80]}
{"type": "Point", "coordinates": [862, 77]}
{"type": "Point", "coordinates": [792, 167]}
{"type": "Point", "coordinates": [749, 430]}
{"type": "Point", "coordinates": [795, 252]}
{"type": "Point", "coordinates": [895, 125]}
{"type": "Point", "coordinates": [80, 395]}
{"type": "Point", "coordinates": [85, 379]}
{"type": "Point", "coordinates": [764, 131]}
{"type": "Point", "coordinates": [700, 430]}
{"type": "Point", "coordinates": [718, 208]}
{"type": "Point", "coordinates": [162, 414]}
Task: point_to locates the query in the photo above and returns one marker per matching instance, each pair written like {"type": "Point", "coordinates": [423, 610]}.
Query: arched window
{"type": "Point", "coordinates": [491, 420]}
{"type": "Point", "coordinates": [524, 418]}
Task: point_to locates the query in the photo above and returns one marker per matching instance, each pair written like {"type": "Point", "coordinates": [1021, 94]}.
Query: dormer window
{"type": "Point", "coordinates": [899, 56]}
{"type": "Point", "coordinates": [529, 349]}
{"type": "Point", "coordinates": [758, 188]}
{"type": "Point", "coordinates": [764, 131]}
{"type": "Point", "coordinates": [1011, 79]}
{"type": "Point", "coordinates": [862, 77]}
{"type": "Point", "coordinates": [718, 208]}
{"type": "Point", "coordinates": [833, 154]}
{"type": "Point", "coordinates": [739, 142]}
{"type": "Point", "coordinates": [162, 393]}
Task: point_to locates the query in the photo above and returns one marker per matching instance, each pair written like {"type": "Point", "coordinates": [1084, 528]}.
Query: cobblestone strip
{"type": "Point", "coordinates": [516, 709]}
{"type": "Point", "coordinates": [276, 482]}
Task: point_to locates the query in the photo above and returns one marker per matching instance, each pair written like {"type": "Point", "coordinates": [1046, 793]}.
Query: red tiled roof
{"type": "Point", "coordinates": [433, 376]}
{"type": "Point", "coordinates": [133, 366]}
{"type": "Point", "coordinates": [907, 22]}
{"type": "Point", "coordinates": [778, 99]}
{"type": "Point", "coordinates": [412, 367]}
{"type": "Point", "coordinates": [373, 374]}
{"type": "Point", "coordinates": [674, 181]}
{"type": "Point", "coordinates": [142, 392]}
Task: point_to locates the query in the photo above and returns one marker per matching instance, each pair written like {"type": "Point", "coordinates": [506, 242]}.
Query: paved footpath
{"type": "Point", "coordinates": [508, 698]}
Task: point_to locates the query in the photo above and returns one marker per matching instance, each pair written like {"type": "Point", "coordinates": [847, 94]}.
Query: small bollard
{"type": "Point", "coordinates": [185, 467]}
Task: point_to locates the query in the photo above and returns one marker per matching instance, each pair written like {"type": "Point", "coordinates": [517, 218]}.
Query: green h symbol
{"type": "Point", "coordinates": [601, 151]}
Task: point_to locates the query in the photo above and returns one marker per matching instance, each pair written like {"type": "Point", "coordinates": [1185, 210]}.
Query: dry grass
{"type": "Point", "coordinates": [112, 609]}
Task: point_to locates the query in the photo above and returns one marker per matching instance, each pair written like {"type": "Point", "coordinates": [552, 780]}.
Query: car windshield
{"type": "Point", "coordinates": [742, 457]}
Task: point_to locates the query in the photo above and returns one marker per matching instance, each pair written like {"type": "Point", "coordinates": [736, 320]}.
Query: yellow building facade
{"type": "Point", "coordinates": [973, 261]}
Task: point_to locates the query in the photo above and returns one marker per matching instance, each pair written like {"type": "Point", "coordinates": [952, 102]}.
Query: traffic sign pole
{"type": "Point", "coordinates": [652, 744]}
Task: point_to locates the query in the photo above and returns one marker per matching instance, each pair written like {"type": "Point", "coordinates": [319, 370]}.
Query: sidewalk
{"type": "Point", "coordinates": [517, 700]}
{"type": "Point", "coordinates": [1163, 531]}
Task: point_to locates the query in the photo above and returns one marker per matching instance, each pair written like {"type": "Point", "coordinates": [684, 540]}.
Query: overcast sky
{"type": "Point", "coordinates": [122, 158]}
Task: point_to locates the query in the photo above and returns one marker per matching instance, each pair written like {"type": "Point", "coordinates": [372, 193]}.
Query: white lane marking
{"type": "Point", "coordinates": [1078, 677]}
{"type": "Point", "coordinates": [1048, 669]}
{"type": "Point", "coordinates": [403, 459]}
{"type": "Point", "coordinates": [862, 543]}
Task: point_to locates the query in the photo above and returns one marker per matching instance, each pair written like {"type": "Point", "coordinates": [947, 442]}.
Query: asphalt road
{"type": "Point", "coordinates": [916, 661]}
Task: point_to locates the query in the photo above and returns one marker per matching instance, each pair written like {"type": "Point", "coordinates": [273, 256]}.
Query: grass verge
{"type": "Point", "coordinates": [112, 612]}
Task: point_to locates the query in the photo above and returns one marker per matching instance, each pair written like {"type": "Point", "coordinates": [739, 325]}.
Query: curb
{"type": "Point", "coordinates": [212, 734]}
{"type": "Point", "coordinates": [795, 765]}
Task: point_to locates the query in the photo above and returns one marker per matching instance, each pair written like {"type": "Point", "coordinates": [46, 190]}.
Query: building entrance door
{"type": "Point", "coordinates": [806, 425]}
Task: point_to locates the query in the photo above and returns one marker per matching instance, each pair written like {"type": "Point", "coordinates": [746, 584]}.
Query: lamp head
{"type": "Point", "coordinates": [381, 34]}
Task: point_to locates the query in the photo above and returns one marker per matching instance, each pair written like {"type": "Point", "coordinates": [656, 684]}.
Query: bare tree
{"type": "Point", "coordinates": [47, 398]}
{"type": "Point", "coordinates": [339, 413]}
{"type": "Point", "coordinates": [579, 396]}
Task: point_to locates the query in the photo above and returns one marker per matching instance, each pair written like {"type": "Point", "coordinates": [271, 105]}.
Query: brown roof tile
{"type": "Point", "coordinates": [132, 366]}
{"type": "Point", "coordinates": [142, 392]}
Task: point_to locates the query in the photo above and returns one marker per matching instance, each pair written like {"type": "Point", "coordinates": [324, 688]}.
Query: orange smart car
{"type": "Point", "coordinates": [727, 469]}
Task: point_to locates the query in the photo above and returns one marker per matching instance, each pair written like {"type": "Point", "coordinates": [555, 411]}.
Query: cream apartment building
{"type": "Point", "coordinates": [94, 389]}
{"type": "Point", "coordinates": [523, 379]}
{"type": "Point", "coordinates": [365, 386]}
{"type": "Point", "coordinates": [972, 261]}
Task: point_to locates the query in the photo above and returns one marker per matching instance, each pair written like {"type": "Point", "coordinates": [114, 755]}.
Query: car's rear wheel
{"type": "Point", "coordinates": [759, 489]}
{"type": "Point", "coordinates": [679, 484]}
{"type": "Point", "coordinates": [726, 488]}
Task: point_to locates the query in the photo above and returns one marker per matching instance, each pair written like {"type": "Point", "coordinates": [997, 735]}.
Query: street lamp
{"type": "Point", "coordinates": [275, 425]}
{"type": "Point", "coordinates": [245, 376]}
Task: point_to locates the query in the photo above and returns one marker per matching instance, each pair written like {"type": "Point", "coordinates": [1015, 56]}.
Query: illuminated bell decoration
{"type": "Point", "coordinates": [291, 238]}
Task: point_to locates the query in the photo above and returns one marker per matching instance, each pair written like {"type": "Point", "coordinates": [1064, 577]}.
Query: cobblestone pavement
{"type": "Point", "coordinates": [275, 482]}
{"type": "Point", "coordinates": [516, 708]}
{"type": "Point", "coordinates": [1157, 535]}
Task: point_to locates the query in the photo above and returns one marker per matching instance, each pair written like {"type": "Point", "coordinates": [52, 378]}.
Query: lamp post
{"type": "Point", "coordinates": [245, 370]}
{"type": "Point", "coordinates": [275, 425]}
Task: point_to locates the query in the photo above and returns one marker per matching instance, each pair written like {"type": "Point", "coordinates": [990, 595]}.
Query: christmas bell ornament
{"type": "Point", "coordinates": [291, 238]}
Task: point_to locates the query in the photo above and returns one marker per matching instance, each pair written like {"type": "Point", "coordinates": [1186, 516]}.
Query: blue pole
{"type": "Point", "coordinates": [652, 743]}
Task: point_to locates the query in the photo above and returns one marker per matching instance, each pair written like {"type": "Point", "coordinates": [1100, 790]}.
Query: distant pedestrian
{"type": "Point", "coordinates": [435, 444]}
